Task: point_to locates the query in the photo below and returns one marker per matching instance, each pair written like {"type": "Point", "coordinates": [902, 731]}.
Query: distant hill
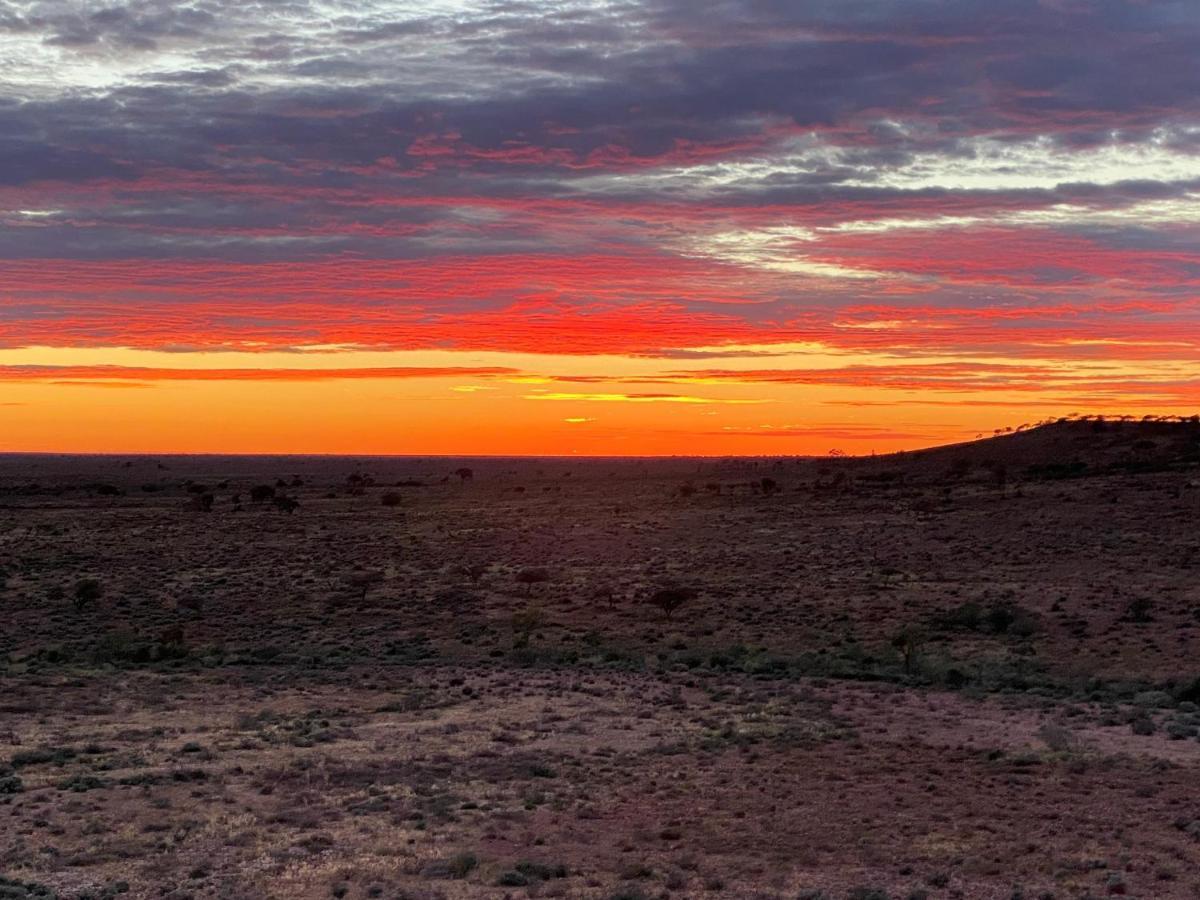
{"type": "Point", "coordinates": [1067, 448]}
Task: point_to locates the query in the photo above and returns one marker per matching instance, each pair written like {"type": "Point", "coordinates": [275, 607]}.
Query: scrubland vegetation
{"type": "Point", "coordinates": [964, 672]}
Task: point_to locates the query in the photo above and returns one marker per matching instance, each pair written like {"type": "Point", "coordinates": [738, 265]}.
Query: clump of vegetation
{"type": "Point", "coordinates": [261, 492]}
{"type": "Point", "coordinates": [669, 599]}
{"type": "Point", "coordinates": [122, 648]}
{"type": "Point", "coordinates": [390, 498]}
{"type": "Point", "coordinates": [530, 576]}
{"type": "Point", "coordinates": [908, 642]}
{"type": "Point", "coordinates": [11, 889]}
{"type": "Point", "coordinates": [362, 582]}
{"type": "Point", "coordinates": [1139, 612]}
{"type": "Point", "coordinates": [524, 624]}
{"type": "Point", "coordinates": [475, 570]}
{"type": "Point", "coordinates": [87, 592]}
{"type": "Point", "coordinates": [540, 871]}
{"type": "Point", "coordinates": [999, 618]}
{"type": "Point", "coordinates": [458, 866]}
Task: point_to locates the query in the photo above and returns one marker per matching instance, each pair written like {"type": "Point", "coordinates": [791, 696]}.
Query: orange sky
{"type": "Point", "coordinates": [453, 402]}
{"type": "Point", "coordinates": [777, 228]}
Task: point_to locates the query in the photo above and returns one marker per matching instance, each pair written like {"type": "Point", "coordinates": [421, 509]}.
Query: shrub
{"type": "Point", "coordinates": [524, 624]}
{"type": "Point", "coordinates": [540, 871]}
{"type": "Point", "coordinates": [966, 616]}
{"type": "Point", "coordinates": [25, 890]}
{"type": "Point", "coordinates": [908, 641]}
{"type": "Point", "coordinates": [1138, 612]}
{"type": "Point", "coordinates": [531, 576]}
{"type": "Point", "coordinates": [474, 571]}
{"type": "Point", "coordinates": [87, 592]}
{"type": "Point", "coordinates": [458, 866]}
{"type": "Point", "coordinates": [1190, 692]}
{"type": "Point", "coordinates": [391, 498]}
{"type": "Point", "coordinates": [361, 582]}
{"type": "Point", "coordinates": [867, 893]}
{"type": "Point", "coordinates": [669, 599]}
{"type": "Point", "coordinates": [261, 492]}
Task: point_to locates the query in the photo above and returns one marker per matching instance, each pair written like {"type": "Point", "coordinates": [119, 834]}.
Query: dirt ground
{"type": "Point", "coordinates": [969, 673]}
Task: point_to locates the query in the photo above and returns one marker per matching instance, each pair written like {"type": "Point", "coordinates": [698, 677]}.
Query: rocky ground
{"type": "Point", "coordinates": [969, 672]}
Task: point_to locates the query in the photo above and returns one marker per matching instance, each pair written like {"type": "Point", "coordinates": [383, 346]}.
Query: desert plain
{"type": "Point", "coordinates": [966, 672]}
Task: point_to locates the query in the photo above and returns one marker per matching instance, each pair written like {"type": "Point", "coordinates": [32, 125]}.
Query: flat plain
{"type": "Point", "coordinates": [965, 672]}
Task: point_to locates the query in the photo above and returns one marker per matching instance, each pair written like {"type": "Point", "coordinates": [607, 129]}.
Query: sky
{"type": "Point", "coordinates": [659, 227]}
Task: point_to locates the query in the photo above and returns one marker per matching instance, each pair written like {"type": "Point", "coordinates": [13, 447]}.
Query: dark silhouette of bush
{"type": "Point", "coordinates": [1139, 612]}
{"type": "Point", "coordinates": [768, 485]}
{"type": "Point", "coordinates": [605, 592]}
{"type": "Point", "coordinates": [87, 592]}
{"type": "Point", "coordinates": [532, 575]}
{"type": "Point", "coordinates": [464, 473]}
{"type": "Point", "coordinates": [458, 866]}
{"type": "Point", "coordinates": [669, 599]}
{"type": "Point", "coordinates": [475, 570]}
{"type": "Point", "coordinates": [1190, 692]}
{"type": "Point", "coordinates": [524, 623]}
{"type": "Point", "coordinates": [286, 504]}
{"type": "Point", "coordinates": [364, 581]}
{"type": "Point", "coordinates": [1000, 618]}
{"type": "Point", "coordinates": [194, 603]}
{"type": "Point", "coordinates": [391, 498]}
{"type": "Point", "coordinates": [909, 641]}
{"type": "Point", "coordinates": [261, 492]}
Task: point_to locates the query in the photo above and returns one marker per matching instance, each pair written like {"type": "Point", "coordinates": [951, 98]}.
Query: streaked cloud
{"type": "Point", "coordinates": [965, 197]}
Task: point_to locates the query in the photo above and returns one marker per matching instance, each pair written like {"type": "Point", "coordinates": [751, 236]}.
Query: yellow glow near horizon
{"type": "Point", "coordinates": [538, 403]}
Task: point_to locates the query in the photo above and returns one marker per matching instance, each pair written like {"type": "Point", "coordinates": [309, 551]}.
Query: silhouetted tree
{"type": "Point", "coordinates": [669, 599]}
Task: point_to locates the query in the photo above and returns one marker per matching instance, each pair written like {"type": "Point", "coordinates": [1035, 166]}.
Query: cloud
{"type": "Point", "coordinates": [639, 398]}
{"type": "Point", "coordinates": [1017, 180]}
{"type": "Point", "coordinates": [124, 376]}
